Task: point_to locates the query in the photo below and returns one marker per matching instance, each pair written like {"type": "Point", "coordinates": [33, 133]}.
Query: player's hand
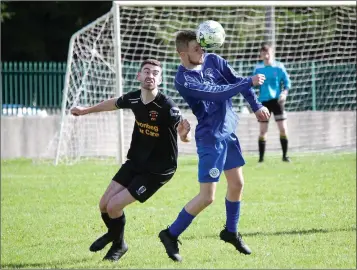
{"type": "Point", "coordinates": [258, 79]}
{"type": "Point", "coordinates": [77, 111]}
{"type": "Point", "coordinates": [183, 128]}
{"type": "Point", "coordinates": [262, 114]}
{"type": "Point", "coordinates": [282, 98]}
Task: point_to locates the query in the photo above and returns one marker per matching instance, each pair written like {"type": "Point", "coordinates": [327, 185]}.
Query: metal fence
{"type": "Point", "coordinates": [38, 86]}
{"type": "Point", "coordinates": [33, 85]}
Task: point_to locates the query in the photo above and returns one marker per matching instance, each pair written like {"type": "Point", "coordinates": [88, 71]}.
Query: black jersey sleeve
{"type": "Point", "coordinates": [123, 102]}
{"type": "Point", "coordinates": [175, 115]}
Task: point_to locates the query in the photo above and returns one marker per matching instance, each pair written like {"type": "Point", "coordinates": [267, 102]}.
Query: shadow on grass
{"type": "Point", "coordinates": [292, 232]}
{"type": "Point", "coordinates": [310, 231]}
{"type": "Point", "coordinates": [51, 264]}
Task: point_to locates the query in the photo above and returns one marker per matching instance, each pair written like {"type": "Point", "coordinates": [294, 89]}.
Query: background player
{"type": "Point", "coordinates": [207, 83]}
{"type": "Point", "coordinates": [152, 157]}
{"type": "Point", "coordinates": [272, 94]}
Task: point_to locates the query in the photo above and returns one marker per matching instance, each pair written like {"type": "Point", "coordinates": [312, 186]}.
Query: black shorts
{"type": "Point", "coordinates": [276, 108]}
{"type": "Point", "coordinates": [141, 185]}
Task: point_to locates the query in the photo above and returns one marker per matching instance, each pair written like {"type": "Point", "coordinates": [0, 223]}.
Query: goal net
{"type": "Point", "coordinates": [317, 45]}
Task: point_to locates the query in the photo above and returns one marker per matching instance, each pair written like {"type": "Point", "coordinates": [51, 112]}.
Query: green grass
{"type": "Point", "coordinates": [298, 215]}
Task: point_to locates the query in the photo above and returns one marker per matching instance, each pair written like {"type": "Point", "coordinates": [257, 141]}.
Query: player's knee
{"type": "Point", "coordinates": [208, 199]}
{"type": "Point", "coordinates": [237, 186]}
{"type": "Point", "coordinates": [103, 205]}
{"type": "Point", "coordinates": [263, 133]}
{"type": "Point", "coordinates": [112, 209]}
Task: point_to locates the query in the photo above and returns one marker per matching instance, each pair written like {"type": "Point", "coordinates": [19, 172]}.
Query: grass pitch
{"type": "Point", "coordinates": [298, 215]}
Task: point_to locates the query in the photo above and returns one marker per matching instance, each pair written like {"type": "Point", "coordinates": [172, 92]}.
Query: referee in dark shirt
{"type": "Point", "coordinates": [152, 156]}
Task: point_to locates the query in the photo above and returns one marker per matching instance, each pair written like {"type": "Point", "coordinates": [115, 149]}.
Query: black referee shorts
{"type": "Point", "coordinates": [275, 108]}
{"type": "Point", "coordinates": [141, 185]}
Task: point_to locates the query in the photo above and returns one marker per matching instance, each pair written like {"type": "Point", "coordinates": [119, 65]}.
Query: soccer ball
{"type": "Point", "coordinates": [210, 35]}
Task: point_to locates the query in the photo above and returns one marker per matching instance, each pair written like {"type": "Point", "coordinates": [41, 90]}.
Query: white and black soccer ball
{"type": "Point", "coordinates": [210, 34]}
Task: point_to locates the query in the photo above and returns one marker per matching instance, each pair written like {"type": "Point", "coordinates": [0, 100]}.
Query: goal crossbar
{"type": "Point", "coordinates": [235, 3]}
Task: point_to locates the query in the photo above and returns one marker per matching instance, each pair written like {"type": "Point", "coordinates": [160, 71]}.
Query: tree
{"type": "Point", "coordinates": [40, 31]}
{"type": "Point", "coordinates": [5, 14]}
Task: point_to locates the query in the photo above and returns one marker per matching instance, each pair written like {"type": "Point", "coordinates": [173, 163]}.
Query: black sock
{"type": "Point", "coordinates": [284, 145]}
{"type": "Point", "coordinates": [117, 229]}
{"type": "Point", "coordinates": [106, 219]}
{"type": "Point", "coordinates": [261, 143]}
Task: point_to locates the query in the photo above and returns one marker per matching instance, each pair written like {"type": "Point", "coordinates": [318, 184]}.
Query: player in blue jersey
{"type": "Point", "coordinates": [272, 94]}
{"type": "Point", "coordinates": [207, 83]}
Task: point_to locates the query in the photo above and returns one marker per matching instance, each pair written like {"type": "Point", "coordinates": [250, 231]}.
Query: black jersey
{"type": "Point", "coordinates": [154, 140]}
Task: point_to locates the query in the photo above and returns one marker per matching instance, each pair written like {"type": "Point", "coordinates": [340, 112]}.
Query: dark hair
{"type": "Point", "coordinates": [153, 62]}
{"type": "Point", "coordinates": [183, 38]}
{"type": "Point", "coordinates": [266, 46]}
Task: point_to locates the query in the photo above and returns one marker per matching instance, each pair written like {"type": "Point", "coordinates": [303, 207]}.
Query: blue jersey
{"type": "Point", "coordinates": [209, 91]}
{"type": "Point", "coordinates": [276, 80]}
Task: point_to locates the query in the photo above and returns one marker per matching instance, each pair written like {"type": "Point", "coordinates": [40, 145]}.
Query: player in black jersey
{"type": "Point", "coordinates": [152, 157]}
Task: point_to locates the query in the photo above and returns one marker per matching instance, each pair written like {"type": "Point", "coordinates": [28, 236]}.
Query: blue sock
{"type": "Point", "coordinates": [181, 223]}
{"type": "Point", "coordinates": [232, 212]}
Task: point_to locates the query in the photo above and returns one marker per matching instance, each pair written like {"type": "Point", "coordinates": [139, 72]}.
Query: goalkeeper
{"type": "Point", "coordinates": [272, 94]}
{"type": "Point", "coordinates": [152, 157]}
{"type": "Point", "coordinates": [208, 83]}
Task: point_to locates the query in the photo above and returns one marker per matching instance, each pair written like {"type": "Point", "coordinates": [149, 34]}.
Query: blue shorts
{"type": "Point", "coordinates": [218, 157]}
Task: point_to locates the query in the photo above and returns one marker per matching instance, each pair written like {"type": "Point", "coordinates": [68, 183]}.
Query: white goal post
{"type": "Point", "coordinates": [316, 41]}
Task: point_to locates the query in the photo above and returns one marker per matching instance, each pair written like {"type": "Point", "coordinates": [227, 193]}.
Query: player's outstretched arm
{"type": "Point", "coordinates": [104, 106]}
{"type": "Point", "coordinates": [250, 96]}
{"type": "Point", "coordinates": [232, 77]}
{"type": "Point", "coordinates": [183, 129]}
{"type": "Point", "coordinates": [197, 90]}
{"type": "Point", "coordinates": [211, 92]}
